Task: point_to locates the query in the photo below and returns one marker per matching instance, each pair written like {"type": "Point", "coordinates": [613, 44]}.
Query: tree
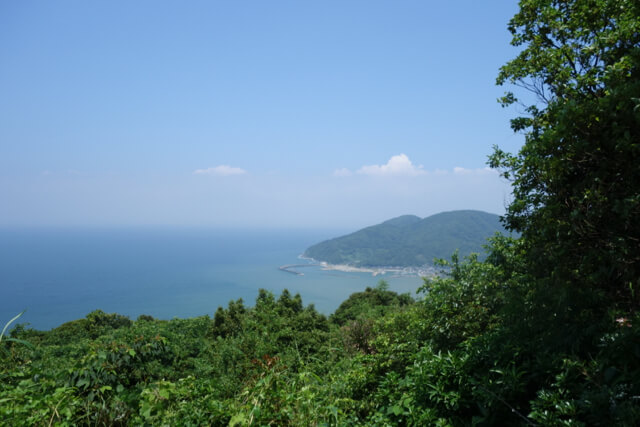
{"type": "Point", "coordinates": [576, 180]}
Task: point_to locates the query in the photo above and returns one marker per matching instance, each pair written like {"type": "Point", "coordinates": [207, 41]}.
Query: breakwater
{"type": "Point", "coordinates": [292, 268]}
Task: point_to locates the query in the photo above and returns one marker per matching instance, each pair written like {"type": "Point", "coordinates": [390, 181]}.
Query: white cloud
{"type": "Point", "coordinates": [397, 165]}
{"type": "Point", "coordinates": [342, 172]}
{"type": "Point", "coordinates": [463, 171]}
{"type": "Point", "coordinates": [222, 170]}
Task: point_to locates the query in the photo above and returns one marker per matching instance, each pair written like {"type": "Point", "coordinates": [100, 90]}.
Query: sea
{"type": "Point", "coordinates": [61, 274]}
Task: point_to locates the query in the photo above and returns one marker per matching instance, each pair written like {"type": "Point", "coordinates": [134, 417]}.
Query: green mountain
{"type": "Point", "coordinates": [410, 241]}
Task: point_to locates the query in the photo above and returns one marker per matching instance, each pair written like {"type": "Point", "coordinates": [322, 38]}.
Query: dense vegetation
{"type": "Point", "coordinates": [544, 331]}
{"type": "Point", "coordinates": [408, 241]}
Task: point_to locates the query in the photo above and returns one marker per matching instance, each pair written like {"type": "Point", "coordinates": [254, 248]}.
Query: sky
{"type": "Point", "coordinates": [331, 114]}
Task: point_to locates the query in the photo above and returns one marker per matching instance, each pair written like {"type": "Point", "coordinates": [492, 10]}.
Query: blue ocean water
{"type": "Point", "coordinates": [62, 274]}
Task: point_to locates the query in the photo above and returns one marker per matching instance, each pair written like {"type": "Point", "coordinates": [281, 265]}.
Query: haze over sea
{"type": "Point", "coordinates": [61, 274]}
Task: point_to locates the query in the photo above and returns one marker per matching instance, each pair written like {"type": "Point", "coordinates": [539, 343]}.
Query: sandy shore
{"type": "Point", "coordinates": [375, 271]}
{"type": "Point", "coordinates": [352, 269]}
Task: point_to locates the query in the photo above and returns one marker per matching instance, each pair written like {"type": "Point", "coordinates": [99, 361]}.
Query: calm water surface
{"type": "Point", "coordinates": [62, 274]}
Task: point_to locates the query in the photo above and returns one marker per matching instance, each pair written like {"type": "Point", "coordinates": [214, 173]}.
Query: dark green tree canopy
{"type": "Point", "coordinates": [576, 181]}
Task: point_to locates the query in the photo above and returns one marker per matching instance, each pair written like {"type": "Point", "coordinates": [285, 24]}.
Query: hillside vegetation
{"type": "Point", "coordinates": [408, 241]}
{"type": "Point", "coordinates": [543, 331]}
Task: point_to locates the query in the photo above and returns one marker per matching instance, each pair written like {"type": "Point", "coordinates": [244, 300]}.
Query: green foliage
{"type": "Point", "coordinates": [372, 303]}
{"type": "Point", "coordinates": [461, 305]}
{"type": "Point", "coordinates": [92, 326]}
{"type": "Point", "coordinates": [228, 322]}
{"type": "Point", "coordinates": [11, 339]}
{"type": "Point", "coordinates": [409, 240]}
{"type": "Point", "coordinates": [576, 197]}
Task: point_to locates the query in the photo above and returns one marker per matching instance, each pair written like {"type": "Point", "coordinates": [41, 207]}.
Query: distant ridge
{"type": "Point", "coordinates": [409, 241]}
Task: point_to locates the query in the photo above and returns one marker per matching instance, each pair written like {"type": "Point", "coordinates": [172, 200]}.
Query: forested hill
{"type": "Point", "coordinates": [409, 240]}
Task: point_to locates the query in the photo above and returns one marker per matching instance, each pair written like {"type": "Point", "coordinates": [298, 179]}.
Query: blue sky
{"type": "Point", "coordinates": [256, 113]}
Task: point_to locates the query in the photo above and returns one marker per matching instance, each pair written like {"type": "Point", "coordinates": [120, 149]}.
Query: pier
{"type": "Point", "coordinates": [291, 268]}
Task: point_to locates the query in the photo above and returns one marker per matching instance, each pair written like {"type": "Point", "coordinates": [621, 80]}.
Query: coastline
{"type": "Point", "coordinates": [424, 271]}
